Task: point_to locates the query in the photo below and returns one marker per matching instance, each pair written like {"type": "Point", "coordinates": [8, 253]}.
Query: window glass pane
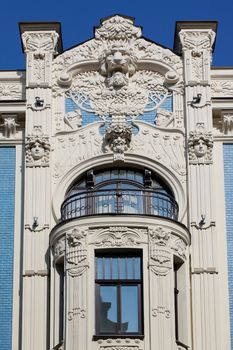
{"type": "Point", "coordinates": [100, 268]}
{"type": "Point", "coordinates": [115, 268]}
{"type": "Point", "coordinates": [107, 274]}
{"type": "Point", "coordinates": [129, 268]}
{"type": "Point", "coordinates": [129, 309]}
{"type": "Point", "coordinates": [137, 267]}
{"type": "Point", "coordinates": [108, 309]}
{"type": "Point", "coordinates": [122, 268]}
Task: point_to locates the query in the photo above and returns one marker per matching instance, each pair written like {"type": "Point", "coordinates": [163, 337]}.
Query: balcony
{"type": "Point", "coordinates": [125, 201]}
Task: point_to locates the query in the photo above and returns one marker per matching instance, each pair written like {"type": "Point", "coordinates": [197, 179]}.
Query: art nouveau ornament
{"type": "Point", "coordinates": [39, 42]}
{"type": "Point", "coordinates": [118, 137]}
{"type": "Point", "coordinates": [160, 253]}
{"type": "Point", "coordinates": [9, 125]}
{"type": "Point", "coordinates": [37, 148]}
{"type": "Point", "coordinates": [200, 145]}
{"type": "Point", "coordinates": [197, 41]}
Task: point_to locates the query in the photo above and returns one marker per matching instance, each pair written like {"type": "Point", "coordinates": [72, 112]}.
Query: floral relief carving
{"type": "Point", "coordinates": [118, 236]}
{"type": "Point", "coordinates": [197, 68]}
{"type": "Point", "coordinates": [197, 41]}
{"type": "Point", "coordinates": [37, 148]}
{"type": "Point", "coordinates": [39, 69]}
{"type": "Point", "coordinates": [117, 28]}
{"type": "Point", "coordinates": [200, 145]}
{"type": "Point", "coordinates": [117, 47]}
{"type": "Point", "coordinates": [11, 91]}
{"type": "Point", "coordinates": [39, 42]}
{"type": "Point", "coordinates": [222, 88]}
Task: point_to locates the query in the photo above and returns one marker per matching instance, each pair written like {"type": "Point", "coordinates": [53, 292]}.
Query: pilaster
{"type": "Point", "coordinates": [40, 43]}
{"type": "Point", "coordinates": [196, 40]}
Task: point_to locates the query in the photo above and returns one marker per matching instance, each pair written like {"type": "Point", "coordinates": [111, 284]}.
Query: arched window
{"type": "Point", "coordinates": [119, 191]}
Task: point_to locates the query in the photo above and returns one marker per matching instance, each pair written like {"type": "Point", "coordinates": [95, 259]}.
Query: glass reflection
{"type": "Point", "coordinates": [108, 309]}
{"type": "Point", "coordinates": [129, 308]}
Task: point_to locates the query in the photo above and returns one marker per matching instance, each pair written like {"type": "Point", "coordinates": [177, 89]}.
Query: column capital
{"type": "Point", "coordinates": [41, 37]}
{"type": "Point", "coordinates": [195, 36]}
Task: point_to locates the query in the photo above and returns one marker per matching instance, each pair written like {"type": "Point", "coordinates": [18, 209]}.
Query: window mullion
{"type": "Point", "coordinates": [119, 308]}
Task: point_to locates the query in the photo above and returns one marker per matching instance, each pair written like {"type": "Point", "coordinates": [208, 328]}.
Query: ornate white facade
{"type": "Point", "coordinates": [119, 104]}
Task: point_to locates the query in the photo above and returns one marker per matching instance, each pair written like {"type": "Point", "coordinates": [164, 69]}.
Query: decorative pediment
{"type": "Point", "coordinates": [117, 78]}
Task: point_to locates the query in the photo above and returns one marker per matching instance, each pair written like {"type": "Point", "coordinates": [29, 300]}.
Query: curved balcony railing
{"type": "Point", "coordinates": [127, 201]}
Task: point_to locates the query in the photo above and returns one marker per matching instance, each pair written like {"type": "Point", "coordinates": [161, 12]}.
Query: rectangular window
{"type": "Point", "coordinates": [118, 294]}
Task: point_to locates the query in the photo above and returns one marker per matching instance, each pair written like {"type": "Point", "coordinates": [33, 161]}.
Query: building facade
{"type": "Point", "coordinates": [116, 192]}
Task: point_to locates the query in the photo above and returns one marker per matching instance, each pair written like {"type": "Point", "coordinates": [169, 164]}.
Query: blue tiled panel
{"type": "Point", "coordinates": [150, 117]}
{"type": "Point", "coordinates": [88, 118]}
{"type": "Point", "coordinates": [7, 204]}
{"type": "Point", "coordinates": [228, 181]}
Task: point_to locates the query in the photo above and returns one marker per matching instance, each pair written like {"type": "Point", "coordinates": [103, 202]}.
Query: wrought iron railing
{"type": "Point", "coordinates": [127, 201]}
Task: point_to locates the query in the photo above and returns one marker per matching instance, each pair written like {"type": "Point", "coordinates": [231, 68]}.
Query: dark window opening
{"type": "Point", "coordinates": [118, 294]}
{"type": "Point", "coordinates": [119, 191]}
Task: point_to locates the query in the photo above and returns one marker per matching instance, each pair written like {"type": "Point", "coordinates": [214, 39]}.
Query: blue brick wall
{"type": "Point", "coordinates": [150, 117]}
{"type": "Point", "coordinates": [7, 204]}
{"type": "Point", "coordinates": [228, 181]}
{"type": "Point", "coordinates": [87, 117]}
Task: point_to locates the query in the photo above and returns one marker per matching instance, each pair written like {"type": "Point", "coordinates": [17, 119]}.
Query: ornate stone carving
{"type": "Point", "coordinates": [178, 246]}
{"type": "Point", "coordinates": [159, 236]}
{"type": "Point", "coordinates": [118, 95]}
{"type": "Point", "coordinates": [39, 69]}
{"type": "Point", "coordinates": [118, 137]}
{"type": "Point", "coordinates": [200, 145]}
{"type": "Point", "coordinates": [222, 88]}
{"type": "Point", "coordinates": [160, 254]}
{"type": "Point", "coordinates": [197, 41]}
{"type": "Point", "coordinates": [227, 122]}
{"type": "Point", "coordinates": [163, 118]}
{"type": "Point", "coordinates": [11, 91]}
{"type": "Point", "coordinates": [117, 47]}
{"type": "Point", "coordinates": [76, 252]}
{"type": "Point", "coordinates": [161, 310]}
{"type": "Point", "coordinates": [77, 311]}
{"type": "Point", "coordinates": [118, 236]}
{"type": "Point", "coordinates": [117, 28]}
{"type": "Point", "coordinates": [40, 42]}
{"type": "Point", "coordinates": [75, 148]}
{"type": "Point", "coordinates": [9, 125]}
{"type": "Point", "coordinates": [37, 148]}
{"type": "Point", "coordinates": [161, 261]}
{"type": "Point", "coordinates": [73, 119]}
{"type": "Point", "coordinates": [166, 148]}
{"type": "Point", "coordinates": [117, 59]}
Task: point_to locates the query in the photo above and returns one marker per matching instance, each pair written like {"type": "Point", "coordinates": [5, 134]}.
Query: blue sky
{"type": "Point", "coordinates": [78, 17]}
